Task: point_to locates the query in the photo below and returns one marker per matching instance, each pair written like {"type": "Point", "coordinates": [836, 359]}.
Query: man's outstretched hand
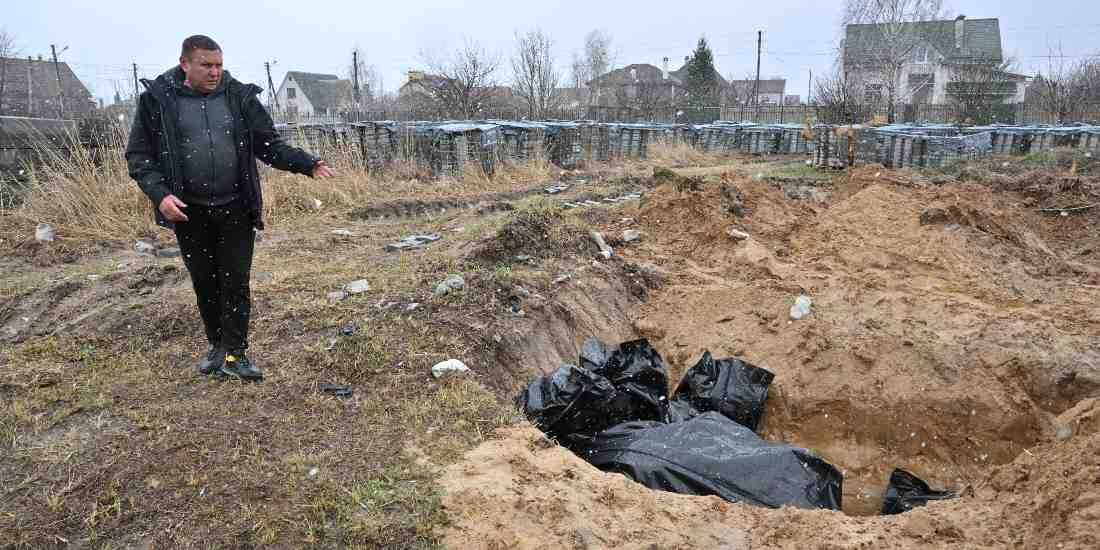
{"type": "Point", "coordinates": [322, 170]}
{"type": "Point", "coordinates": [170, 207]}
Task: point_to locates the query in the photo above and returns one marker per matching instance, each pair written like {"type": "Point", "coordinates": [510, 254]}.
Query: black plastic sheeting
{"type": "Point", "coordinates": [907, 491]}
{"type": "Point", "coordinates": [713, 455]}
{"type": "Point", "coordinates": [730, 386]}
{"type": "Point", "coordinates": [614, 411]}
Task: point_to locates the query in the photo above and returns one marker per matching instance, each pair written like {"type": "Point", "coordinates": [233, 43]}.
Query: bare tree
{"type": "Point", "coordinates": [976, 93]}
{"type": "Point", "coordinates": [837, 99]}
{"type": "Point", "coordinates": [7, 50]}
{"type": "Point", "coordinates": [592, 63]}
{"type": "Point", "coordinates": [1067, 86]}
{"type": "Point", "coordinates": [644, 100]}
{"type": "Point", "coordinates": [893, 38]}
{"type": "Point", "coordinates": [463, 85]}
{"type": "Point", "coordinates": [534, 78]}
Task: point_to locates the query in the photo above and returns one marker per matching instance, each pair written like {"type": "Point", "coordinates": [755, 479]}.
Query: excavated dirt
{"type": "Point", "coordinates": [951, 326]}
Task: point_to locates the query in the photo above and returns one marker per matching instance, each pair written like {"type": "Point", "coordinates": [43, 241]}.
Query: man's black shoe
{"type": "Point", "coordinates": [213, 361]}
{"type": "Point", "coordinates": [238, 366]}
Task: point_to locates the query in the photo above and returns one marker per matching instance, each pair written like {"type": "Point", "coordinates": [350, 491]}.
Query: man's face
{"type": "Point", "coordinates": [203, 70]}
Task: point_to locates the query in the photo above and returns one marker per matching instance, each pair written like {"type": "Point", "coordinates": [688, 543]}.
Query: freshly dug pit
{"type": "Point", "coordinates": [950, 326]}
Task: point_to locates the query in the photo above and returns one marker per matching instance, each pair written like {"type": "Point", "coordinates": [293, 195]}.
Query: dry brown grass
{"type": "Point", "coordinates": [87, 195]}
{"type": "Point", "coordinates": [681, 154]}
{"type": "Point", "coordinates": [84, 193]}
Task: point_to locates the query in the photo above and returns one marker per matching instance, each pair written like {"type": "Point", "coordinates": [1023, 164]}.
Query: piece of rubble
{"type": "Point", "coordinates": [801, 307]}
{"type": "Point", "coordinates": [450, 366]}
{"type": "Point", "coordinates": [168, 253]}
{"type": "Point", "coordinates": [142, 247]}
{"type": "Point", "coordinates": [450, 284]}
{"type": "Point", "coordinates": [342, 233]}
{"type": "Point", "coordinates": [44, 233]}
{"type": "Point", "coordinates": [605, 250]}
{"type": "Point", "coordinates": [737, 234]}
{"type": "Point", "coordinates": [337, 296]}
{"type": "Point", "coordinates": [631, 235]}
{"type": "Point", "coordinates": [411, 242]}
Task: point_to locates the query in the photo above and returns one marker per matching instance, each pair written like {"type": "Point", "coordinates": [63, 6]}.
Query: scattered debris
{"type": "Point", "coordinates": [44, 233]}
{"type": "Point", "coordinates": [335, 390]}
{"type": "Point", "coordinates": [605, 250]}
{"type": "Point", "coordinates": [524, 258]}
{"type": "Point", "coordinates": [1071, 210]}
{"type": "Point", "coordinates": [412, 307]}
{"type": "Point", "coordinates": [450, 284]}
{"type": "Point", "coordinates": [142, 247]}
{"type": "Point", "coordinates": [631, 235]}
{"type": "Point", "coordinates": [337, 296]}
{"type": "Point", "coordinates": [412, 242]}
{"type": "Point", "coordinates": [453, 366]}
{"type": "Point", "coordinates": [801, 307]}
{"type": "Point", "coordinates": [555, 189]}
{"type": "Point", "coordinates": [357, 287]}
{"type": "Point", "coordinates": [348, 329]}
{"type": "Point", "coordinates": [561, 279]}
{"type": "Point", "coordinates": [907, 491]}
{"type": "Point", "coordinates": [343, 233]}
{"type": "Point", "coordinates": [168, 253]}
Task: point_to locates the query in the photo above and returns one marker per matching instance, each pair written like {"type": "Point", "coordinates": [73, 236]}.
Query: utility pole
{"type": "Point", "coordinates": [810, 87]}
{"type": "Point", "coordinates": [136, 92]}
{"type": "Point", "coordinates": [756, 88]}
{"type": "Point", "coordinates": [271, 85]}
{"type": "Point", "coordinates": [60, 89]}
{"type": "Point", "coordinates": [30, 87]}
{"type": "Point", "coordinates": [355, 77]}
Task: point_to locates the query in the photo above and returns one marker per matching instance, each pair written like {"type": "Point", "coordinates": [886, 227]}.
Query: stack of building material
{"type": "Point", "coordinates": [521, 141]}
{"type": "Point", "coordinates": [564, 141]}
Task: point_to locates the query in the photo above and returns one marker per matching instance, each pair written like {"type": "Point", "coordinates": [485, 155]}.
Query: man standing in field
{"type": "Point", "coordinates": [192, 150]}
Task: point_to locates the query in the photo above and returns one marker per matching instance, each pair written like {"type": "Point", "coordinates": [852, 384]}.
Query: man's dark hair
{"type": "Point", "coordinates": [198, 42]}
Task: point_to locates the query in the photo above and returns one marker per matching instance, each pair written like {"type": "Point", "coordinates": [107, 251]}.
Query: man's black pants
{"type": "Point", "coordinates": [217, 244]}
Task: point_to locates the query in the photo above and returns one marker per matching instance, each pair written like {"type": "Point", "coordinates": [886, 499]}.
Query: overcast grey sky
{"type": "Point", "coordinates": [105, 36]}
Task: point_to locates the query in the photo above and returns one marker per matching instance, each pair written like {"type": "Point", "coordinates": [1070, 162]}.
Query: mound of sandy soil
{"type": "Point", "coordinates": [951, 327]}
{"type": "Point", "coordinates": [522, 491]}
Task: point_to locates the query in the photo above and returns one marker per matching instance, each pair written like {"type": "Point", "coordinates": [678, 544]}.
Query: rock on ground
{"type": "Point", "coordinates": [450, 284]}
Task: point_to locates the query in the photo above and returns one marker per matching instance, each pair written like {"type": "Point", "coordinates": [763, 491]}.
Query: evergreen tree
{"type": "Point", "coordinates": [702, 78]}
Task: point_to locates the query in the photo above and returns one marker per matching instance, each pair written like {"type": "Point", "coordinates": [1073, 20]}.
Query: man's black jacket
{"type": "Point", "coordinates": [153, 152]}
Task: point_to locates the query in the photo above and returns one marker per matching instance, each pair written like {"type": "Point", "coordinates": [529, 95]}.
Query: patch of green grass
{"type": "Point", "coordinates": [397, 507]}
{"type": "Point", "coordinates": [797, 170]}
